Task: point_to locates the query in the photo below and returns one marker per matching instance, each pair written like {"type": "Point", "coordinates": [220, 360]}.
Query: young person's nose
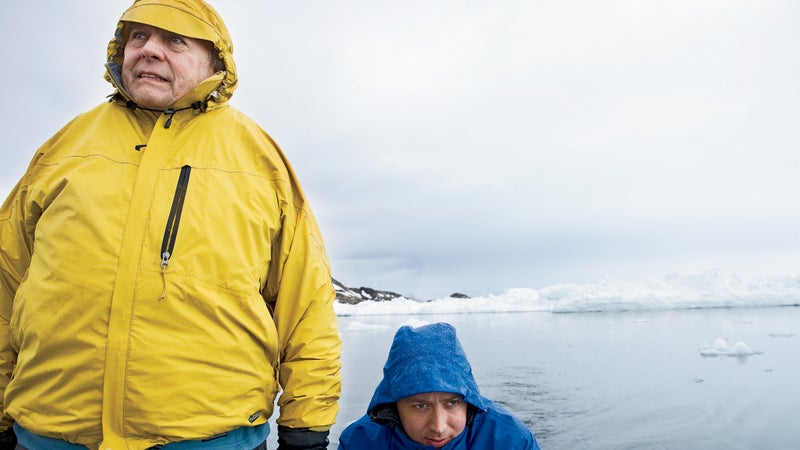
{"type": "Point", "coordinates": [438, 422]}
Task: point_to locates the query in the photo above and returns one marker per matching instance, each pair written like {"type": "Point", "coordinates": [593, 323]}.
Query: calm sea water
{"type": "Point", "coordinates": [630, 380]}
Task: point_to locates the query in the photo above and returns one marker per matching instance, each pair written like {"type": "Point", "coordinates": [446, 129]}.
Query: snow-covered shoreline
{"type": "Point", "coordinates": [711, 289]}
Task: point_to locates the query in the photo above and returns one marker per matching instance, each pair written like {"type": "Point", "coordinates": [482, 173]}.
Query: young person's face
{"type": "Point", "coordinates": [433, 418]}
{"type": "Point", "coordinates": [159, 67]}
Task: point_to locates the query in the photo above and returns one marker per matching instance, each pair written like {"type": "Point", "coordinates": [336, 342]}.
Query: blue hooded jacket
{"type": "Point", "coordinates": [431, 359]}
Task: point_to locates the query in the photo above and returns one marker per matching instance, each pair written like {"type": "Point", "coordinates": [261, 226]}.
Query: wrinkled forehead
{"type": "Point", "coordinates": [130, 27]}
{"type": "Point", "coordinates": [171, 19]}
{"type": "Point", "coordinates": [432, 397]}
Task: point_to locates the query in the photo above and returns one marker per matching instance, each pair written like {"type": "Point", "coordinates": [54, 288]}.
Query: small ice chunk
{"type": "Point", "coordinates": [720, 347]}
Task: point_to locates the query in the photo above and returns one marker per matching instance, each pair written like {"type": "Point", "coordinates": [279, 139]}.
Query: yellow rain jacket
{"type": "Point", "coordinates": [161, 275]}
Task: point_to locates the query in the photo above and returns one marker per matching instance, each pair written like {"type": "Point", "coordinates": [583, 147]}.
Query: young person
{"type": "Point", "coordinates": [428, 398]}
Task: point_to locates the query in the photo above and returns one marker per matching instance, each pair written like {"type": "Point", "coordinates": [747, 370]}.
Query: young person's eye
{"type": "Point", "coordinates": [453, 403]}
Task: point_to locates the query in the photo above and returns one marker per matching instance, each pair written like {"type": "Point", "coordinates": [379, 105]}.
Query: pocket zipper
{"type": "Point", "coordinates": [171, 230]}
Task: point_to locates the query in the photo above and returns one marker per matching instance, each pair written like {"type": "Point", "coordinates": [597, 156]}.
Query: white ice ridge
{"type": "Point", "coordinates": [709, 289]}
{"type": "Point", "coordinates": [720, 348]}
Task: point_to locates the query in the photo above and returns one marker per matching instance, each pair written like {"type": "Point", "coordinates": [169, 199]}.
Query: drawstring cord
{"type": "Point", "coordinates": [169, 111]}
{"type": "Point", "coordinates": [198, 105]}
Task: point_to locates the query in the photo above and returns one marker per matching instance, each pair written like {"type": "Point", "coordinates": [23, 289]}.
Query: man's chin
{"type": "Point", "coordinates": [152, 100]}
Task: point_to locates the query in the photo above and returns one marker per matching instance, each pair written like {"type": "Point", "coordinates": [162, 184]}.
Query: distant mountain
{"type": "Point", "coordinates": [352, 296]}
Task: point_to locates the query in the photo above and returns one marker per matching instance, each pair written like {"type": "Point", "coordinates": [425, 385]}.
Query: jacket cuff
{"type": "Point", "coordinates": [301, 439]}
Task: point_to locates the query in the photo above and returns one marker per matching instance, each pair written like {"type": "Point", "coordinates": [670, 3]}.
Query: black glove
{"type": "Point", "coordinates": [301, 439]}
{"type": "Point", "coordinates": [8, 439]}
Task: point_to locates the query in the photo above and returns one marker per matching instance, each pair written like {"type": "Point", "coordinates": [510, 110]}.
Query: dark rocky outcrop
{"type": "Point", "coordinates": [352, 296]}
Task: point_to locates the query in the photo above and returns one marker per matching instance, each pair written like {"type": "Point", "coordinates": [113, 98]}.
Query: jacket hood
{"type": "Point", "coordinates": [191, 18]}
{"type": "Point", "coordinates": [426, 359]}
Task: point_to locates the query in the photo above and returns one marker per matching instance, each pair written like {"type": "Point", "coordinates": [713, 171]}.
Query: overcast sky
{"type": "Point", "coordinates": [474, 146]}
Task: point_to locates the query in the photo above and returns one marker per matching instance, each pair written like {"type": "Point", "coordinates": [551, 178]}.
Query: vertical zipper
{"type": "Point", "coordinates": [171, 230]}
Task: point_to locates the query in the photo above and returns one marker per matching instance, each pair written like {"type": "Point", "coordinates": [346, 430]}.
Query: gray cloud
{"type": "Point", "coordinates": [477, 146]}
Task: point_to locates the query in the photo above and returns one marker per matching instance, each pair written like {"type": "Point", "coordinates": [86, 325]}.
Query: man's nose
{"type": "Point", "coordinates": [153, 48]}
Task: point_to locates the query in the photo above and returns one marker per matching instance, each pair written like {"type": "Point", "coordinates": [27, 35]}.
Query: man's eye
{"type": "Point", "coordinates": [418, 405]}
{"type": "Point", "coordinates": [176, 40]}
{"type": "Point", "coordinates": [138, 35]}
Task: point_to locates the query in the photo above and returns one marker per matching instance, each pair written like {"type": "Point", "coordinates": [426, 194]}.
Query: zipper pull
{"type": "Point", "coordinates": [164, 265]}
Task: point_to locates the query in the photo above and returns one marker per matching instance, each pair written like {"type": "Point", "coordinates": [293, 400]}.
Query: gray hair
{"type": "Point", "coordinates": [215, 60]}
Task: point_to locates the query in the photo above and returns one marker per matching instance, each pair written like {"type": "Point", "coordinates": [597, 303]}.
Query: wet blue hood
{"type": "Point", "coordinates": [426, 359]}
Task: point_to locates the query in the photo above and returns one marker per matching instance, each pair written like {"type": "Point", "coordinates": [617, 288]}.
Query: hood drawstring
{"type": "Point", "coordinates": [198, 105]}
{"type": "Point", "coordinates": [171, 111]}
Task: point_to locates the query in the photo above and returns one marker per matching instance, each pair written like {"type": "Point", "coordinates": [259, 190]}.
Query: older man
{"type": "Point", "coordinates": [162, 277]}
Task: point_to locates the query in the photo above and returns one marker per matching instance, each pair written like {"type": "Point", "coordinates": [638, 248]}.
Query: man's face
{"type": "Point", "coordinates": [433, 418]}
{"type": "Point", "coordinates": [159, 67]}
